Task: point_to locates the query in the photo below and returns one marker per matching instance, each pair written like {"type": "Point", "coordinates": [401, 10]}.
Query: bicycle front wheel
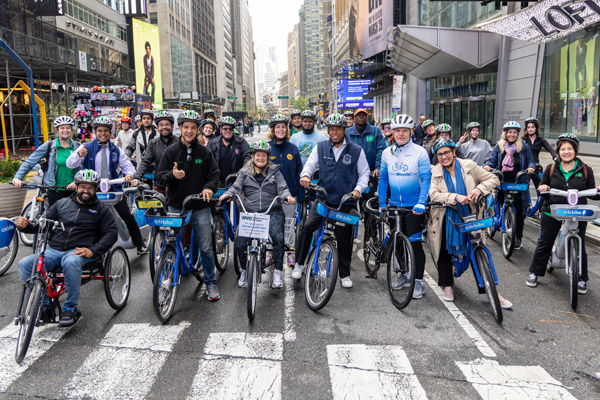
{"type": "Point", "coordinates": [252, 278]}
{"type": "Point", "coordinates": [220, 246]}
{"type": "Point", "coordinates": [7, 259]}
{"type": "Point", "coordinates": [371, 245]}
{"type": "Point", "coordinates": [156, 242]}
{"type": "Point", "coordinates": [508, 236]}
{"type": "Point", "coordinates": [117, 278]}
{"type": "Point", "coordinates": [573, 252]}
{"type": "Point", "coordinates": [483, 263]}
{"type": "Point", "coordinates": [401, 272]}
{"type": "Point", "coordinates": [321, 275]}
{"type": "Point", "coordinates": [165, 288]}
{"type": "Point", "coordinates": [29, 238]}
{"type": "Point", "coordinates": [32, 304]}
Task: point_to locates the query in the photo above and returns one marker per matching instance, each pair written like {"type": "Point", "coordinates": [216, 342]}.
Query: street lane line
{"type": "Point", "coordinates": [464, 323]}
{"type": "Point", "coordinates": [126, 362]}
{"type": "Point", "coordinates": [494, 381]}
{"type": "Point", "coordinates": [359, 371]}
{"type": "Point", "coordinates": [42, 340]}
{"type": "Point", "coordinates": [289, 329]}
{"type": "Point", "coordinates": [240, 366]}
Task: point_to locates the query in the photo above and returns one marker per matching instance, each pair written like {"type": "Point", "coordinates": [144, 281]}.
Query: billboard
{"type": "Point", "coordinates": [146, 45]}
{"type": "Point", "coordinates": [350, 93]}
{"type": "Point", "coordinates": [368, 23]}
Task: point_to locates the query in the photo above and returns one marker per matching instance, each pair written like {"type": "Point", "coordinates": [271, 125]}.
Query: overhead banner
{"type": "Point", "coordinates": [397, 92]}
{"type": "Point", "coordinates": [350, 93]}
{"type": "Point", "coordinates": [547, 20]}
{"type": "Point", "coordinates": [146, 44]}
{"type": "Point", "coordinates": [368, 23]}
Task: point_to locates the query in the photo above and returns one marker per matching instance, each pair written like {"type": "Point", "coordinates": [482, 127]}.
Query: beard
{"type": "Point", "coordinates": [85, 201]}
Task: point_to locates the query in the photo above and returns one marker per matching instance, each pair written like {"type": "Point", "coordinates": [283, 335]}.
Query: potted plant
{"type": "Point", "coordinates": [11, 198]}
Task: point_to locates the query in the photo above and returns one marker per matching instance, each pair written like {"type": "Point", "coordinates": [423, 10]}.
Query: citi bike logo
{"type": "Point", "coordinates": [8, 228]}
{"type": "Point", "coordinates": [575, 213]}
{"type": "Point", "coordinates": [342, 217]}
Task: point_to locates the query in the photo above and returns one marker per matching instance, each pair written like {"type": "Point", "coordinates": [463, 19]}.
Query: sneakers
{"type": "Point", "coordinates": [242, 281]}
{"type": "Point", "coordinates": [277, 280]}
{"type": "Point", "coordinates": [297, 272]}
{"type": "Point", "coordinates": [504, 304]}
{"type": "Point", "coordinates": [518, 244]}
{"type": "Point", "coordinates": [581, 287]}
{"type": "Point", "coordinates": [268, 258]}
{"type": "Point", "coordinates": [346, 282]}
{"type": "Point", "coordinates": [448, 294]}
{"type": "Point", "coordinates": [142, 250]}
{"type": "Point", "coordinates": [69, 317]}
{"type": "Point", "coordinates": [419, 289]}
{"type": "Point", "coordinates": [532, 280]}
{"type": "Point", "coordinates": [212, 292]}
{"type": "Point", "coordinates": [291, 259]}
{"type": "Point", "coordinates": [402, 282]}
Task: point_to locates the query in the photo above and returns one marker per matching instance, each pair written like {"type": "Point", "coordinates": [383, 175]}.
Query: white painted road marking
{"type": "Point", "coordinates": [360, 371]}
{"type": "Point", "coordinates": [464, 323]}
{"type": "Point", "coordinates": [42, 340]}
{"type": "Point", "coordinates": [126, 362]}
{"type": "Point", "coordinates": [240, 366]}
{"type": "Point", "coordinates": [289, 330]}
{"type": "Point", "coordinates": [493, 381]}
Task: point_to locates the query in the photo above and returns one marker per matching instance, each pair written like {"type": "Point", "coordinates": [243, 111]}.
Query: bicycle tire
{"type": "Point", "coordinates": [252, 277]}
{"type": "Point", "coordinates": [32, 304]}
{"type": "Point", "coordinates": [7, 261]}
{"type": "Point", "coordinates": [117, 278]}
{"type": "Point", "coordinates": [401, 261]}
{"type": "Point", "coordinates": [371, 243]}
{"type": "Point", "coordinates": [29, 239]}
{"type": "Point", "coordinates": [490, 285]}
{"type": "Point", "coordinates": [220, 247]}
{"type": "Point", "coordinates": [573, 252]}
{"type": "Point", "coordinates": [508, 236]}
{"type": "Point", "coordinates": [491, 231]}
{"type": "Point", "coordinates": [156, 242]}
{"type": "Point", "coordinates": [236, 258]}
{"type": "Point", "coordinates": [319, 287]}
{"type": "Point", "coordinates": [164, 293]}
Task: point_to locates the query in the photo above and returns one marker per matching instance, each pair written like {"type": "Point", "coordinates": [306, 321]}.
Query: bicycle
{"type": "Point", "coordinates": [567, 249]}
{"type": "Point", "coordinates": [9, 244]}
{"type": "Point", "coordinates": [372, 245]}
{"type": "Point", "coordinates": [154, 203]}
{"type": "Point", "coordinates": [112, 268]}
{"type": "Point", "coordinates": [531, 210]}
{"type": "Point", "coordinates": [223, 229]}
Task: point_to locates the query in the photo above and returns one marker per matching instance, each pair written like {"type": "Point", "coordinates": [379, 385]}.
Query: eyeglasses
{"type": "Point", "coordinates": [189, 154]}
{"type": "Point", "coordinates": [387, 128]}
{"type": "Point", "coordinates": [226, 129]}
{"type": "Point", "coordinates": [444, 154]}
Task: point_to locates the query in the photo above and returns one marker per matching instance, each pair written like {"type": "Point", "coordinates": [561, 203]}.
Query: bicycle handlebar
{"type": "Point", "coordinates": [280, 198]}
{"type": "Point", "coordinates": [500, 174]}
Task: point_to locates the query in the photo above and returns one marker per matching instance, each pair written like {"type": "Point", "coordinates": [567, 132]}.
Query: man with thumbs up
{"type": "Point", "coordinates": [186, 168]}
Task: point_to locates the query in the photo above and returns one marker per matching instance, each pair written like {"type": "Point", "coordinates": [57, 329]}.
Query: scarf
{"type": "Point", "coordinates": [508, 164]}
{"type": "Point", "coordinates": [456, 243]}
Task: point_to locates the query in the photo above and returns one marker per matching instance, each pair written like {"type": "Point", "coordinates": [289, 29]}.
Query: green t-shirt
{"type": "Point", "coordinates": [64, 175]}
{"type": "Point", "coordinates": [567, 175]}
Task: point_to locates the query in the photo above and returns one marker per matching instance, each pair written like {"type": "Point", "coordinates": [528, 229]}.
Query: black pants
{"type": "Point", "coordinates": [132, 226]}
{"type": "Point", "coordinates": [343, 235]}
{"type": "Point", "coordinates": [56, 195]}
{"type": "Point", "coordinates": [549, 229]}
{"type": "Point", "coordinates": [444, 262]}
{"type": "Point", "coordinates": [520, 215]}
{"type": "Point", "coordinates": [413, 225]}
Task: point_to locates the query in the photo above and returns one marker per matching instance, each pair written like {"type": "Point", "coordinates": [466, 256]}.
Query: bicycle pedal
{"type": "Point", "coordinates": [374, 276]}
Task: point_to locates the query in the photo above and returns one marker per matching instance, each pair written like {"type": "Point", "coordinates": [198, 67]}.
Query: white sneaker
{"type": "Point", "coordinates": [277, 281]}
{"type": "Point", "coordinates": [346, 282]}
{"type": "Point", "coordinates": [242, 281]}
{"type": "Point", "coordinates": [297, 272]}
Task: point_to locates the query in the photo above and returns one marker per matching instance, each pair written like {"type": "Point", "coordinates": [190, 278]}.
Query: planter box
{"type": "Point", "coordinates": [11, 200]}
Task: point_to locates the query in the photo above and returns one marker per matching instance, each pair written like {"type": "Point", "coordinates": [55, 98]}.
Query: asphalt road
{"type": "Point", "coordinates": [358, 346]}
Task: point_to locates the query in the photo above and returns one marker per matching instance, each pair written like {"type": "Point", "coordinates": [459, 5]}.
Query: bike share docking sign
{"type": "Point", "coordinates": [254, 225]}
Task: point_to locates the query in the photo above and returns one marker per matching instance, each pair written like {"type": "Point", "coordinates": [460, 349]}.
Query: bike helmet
{"type": "Point", "coordinates": [427, 123]}
{"type": "Point", "coordinates": [227, 120]}
{"type": "Point", "coordinates": [348, 113]}
{"type": "Point", "coordinates": [295, 112]}
{"type": "Point", "coordinates": [126, 120]}
{"type": "Point", "coordinates": [442, 142]}
{"type": "Point", "coordinates": [511, 125]}
{"type": "Point", "coordinates": [336, 120]}
{"type": "Point", "coordinates": [164, 114]}
{"type": "Point", "coordinates": [308, 114]}
{"type": "Point", "coordinates": [102, 121]}
{"type": "Point", "coordinates": [473, 125]}
{"type": "Point", "coordinates": [63, 120]}
{"type": "Point", "coordinates": [402, 121]}
{"type": "Point", "coordinates": [260, 145]}
{"type": "Point", "coordinates": [208, 122]}
{"type": "Point", "coordinates": [569, 137]}
{"type": "Point", "coordinates": [146, 111]}
{"type": "Point", "coordinates": [278, 119]}
{"type": "Point", "coordinates": [188, 116]}
{"type": "Point", "coordinates": [138, 118]}
{"type": "Point", "coordinates": [446, 128]}
{"type": "Point", "coordinates": [209, 112]}
{"type": "Point", "coordinates": [386, 121]}
{"type": "Point", "coordinates": [532, 120]}
{"type": "Point", "coordinates": [87, 176]}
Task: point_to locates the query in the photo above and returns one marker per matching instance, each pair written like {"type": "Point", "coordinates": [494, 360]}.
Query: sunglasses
{"type": "Point", "coordinates": [224, 129]}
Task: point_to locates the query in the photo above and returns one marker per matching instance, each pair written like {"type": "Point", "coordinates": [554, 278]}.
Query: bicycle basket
{"type": "Point", "coordinates": [475, 225]}
{"type": "Point", "coordinates": [338, 216]}
{"type": "Point", "coordinates": [514, 187]}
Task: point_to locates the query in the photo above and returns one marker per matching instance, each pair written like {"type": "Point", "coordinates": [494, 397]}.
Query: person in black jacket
{"type": "Point", "coordinates": [532, 137]}
{"type": "Point", "coordinates": [188, 168]}
{"type": "Point", "coordinates": [231, 151]}
{"type": "Point", "coordinates": [569, 172]}
{"type": "Point", "coordinates": [90, 231]}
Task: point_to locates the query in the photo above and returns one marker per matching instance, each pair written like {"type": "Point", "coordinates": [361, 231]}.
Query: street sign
{"type": "Point", "coordinates": [231, 98]}
{"type": "Point", "coordinates": [195, 95]}
{"type": "Point", "coordinates": [283, 97]}
{"type": "Point", "coordinates": [185, 96]}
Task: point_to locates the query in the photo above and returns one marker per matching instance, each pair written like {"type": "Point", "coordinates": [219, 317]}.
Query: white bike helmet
{"type": "Point", "coordinates": [402, 121]}
{"type": "Point", "coordinates": [63, 120]}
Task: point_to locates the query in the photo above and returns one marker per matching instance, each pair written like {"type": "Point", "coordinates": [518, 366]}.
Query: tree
{"type": "Point", "coordinates": [298, 103]}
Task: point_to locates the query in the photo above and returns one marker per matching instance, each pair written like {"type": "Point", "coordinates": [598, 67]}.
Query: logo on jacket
{"type": "Point", "coordinates": [400, 167]}
{"type": "Point", "coordinates": [347, 159]}
{"type": "Point", "coordinates": [290, 157]}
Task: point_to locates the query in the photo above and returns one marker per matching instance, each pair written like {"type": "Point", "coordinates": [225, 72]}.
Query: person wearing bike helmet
{"type": "Point", "coordinates": [567, 172]}
{"type": "Point", "coordinates": [125, 134]}
{"type": "Point", "coordinates": [430, 135]}
{"type": "Point", "coordinates": [511, 155]}
{"type": "Point", "coordinates": [343, 169]}
{"type": "Point", "coordinates": [406, 171]}
{"type": "Point", "coordinates": [231, 151]}
{"type": "Point", "coordinates": [536, 142]}
{"type": "Point", "coordinates": [470, 147]}
{"type": "Point", "coordinates": [208, 130]}
{"type": "Point", "coordinates": [209, 114]}
{"type": "Point", "coordinates": [295, 125]}
{"type": "Point", "coordinates": [138, 122]}
{"type": "Point", "coordinates": [258, 183]}
{"type": "Point", "coordinates": [460, 182]}
{"type": "Point", "coordinates": [442, 131]}
{"type": "Point", "coordinates": [189, 168]}
{"type": "Point", "coordinates": [55, 154]}
{"type": "Point", "coordinates": [386, 130]}
{"type": "Point", "coordinates": [349, 115]}
{"type": "Point", "coordinates": [89, 232]}
{"type": "Point", "coordinates": [308, 138]}
{"type": "Point", "coordinates": [142, 136]}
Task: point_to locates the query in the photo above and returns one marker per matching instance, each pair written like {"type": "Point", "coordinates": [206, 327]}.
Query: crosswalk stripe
{"type": "Point", "coordinates": [240, 366]}
{"type": "Point", "coordinates": [494, 381]}
{"type": "Point", "coordinates": [360, 371]}
{"type": "Point", "coordinates": [42, 340]}
{"type": "Point", "coordinates": [125, 364]}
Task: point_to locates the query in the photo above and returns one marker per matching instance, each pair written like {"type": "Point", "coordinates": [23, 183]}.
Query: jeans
{"type": "Point", "coordinates": [201, 223]}
{"type": "Point", "coordinates": [276, 232]}
{"type": "Point", "coordinates": [71, 266]}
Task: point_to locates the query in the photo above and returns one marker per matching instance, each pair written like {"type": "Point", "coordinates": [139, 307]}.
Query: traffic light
{"type": "Point", "coordinates": [271, 98]}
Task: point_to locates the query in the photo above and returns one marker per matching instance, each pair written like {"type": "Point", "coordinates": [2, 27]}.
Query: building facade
{"type": "Point", "coordinates": [243, 53]}
{"type": "Point", "coordinates": [224, 53]}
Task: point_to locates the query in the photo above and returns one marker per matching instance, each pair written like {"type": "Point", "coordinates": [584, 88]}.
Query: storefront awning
{"type": "Point", "coordinates": [426, 52]}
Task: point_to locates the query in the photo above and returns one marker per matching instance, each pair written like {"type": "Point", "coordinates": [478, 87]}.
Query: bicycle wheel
{"type": "Point", "coordinates": [491, 231]}
{"type": "Point", "coordinates": [156, 242]}
{"type": "Point", "coordinates": [220, 247]}
{"type": "Point", "coordinates": [164, 293]}
{"type": "Point", "coordinates": [32, 303]}
{"type": "Point", "coordinates": [252, 277]}
{"type": "Point", "coordinates": [573, 266]}
{"type": "Point", "coordinates": [7, 260]}
{"type": "Point", "coordinates": [401, 266]}
{"type": "Point", "coordinates": [29, 238]}
{"type": "Point", "coordinates": [117, 278]}
{"type": "Point", "coordinates": [370, 245]}
{"type": "Point", "coordinates": [483, 263]}
{"type": "Point", "coordinates": [320, 280]}
{"type": "Point", "coordinates": [508, 236]}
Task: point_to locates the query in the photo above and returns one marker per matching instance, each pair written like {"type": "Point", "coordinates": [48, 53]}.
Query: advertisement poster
{"type": "Point", "coordinates": [368, 25]}
{"type": "Point", "coordinates": [397, 92]}
{"type": "Point", "coordinates": [146, 46]}
{"type": "Point", "coordinates": [351, 91]}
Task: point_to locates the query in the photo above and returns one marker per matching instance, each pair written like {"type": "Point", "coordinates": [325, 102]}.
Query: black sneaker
{"type": "Point", "coordinates": [69, 318]}
{"type": "Point", "coordinates": [47, 315]}
{"type": "Point", "coordinates": [518, 244]}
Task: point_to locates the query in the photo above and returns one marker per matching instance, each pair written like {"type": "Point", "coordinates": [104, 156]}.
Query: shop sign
{"type": "Point", "coordinates": [397, 92]}
{"type": "Point", "coordinates": [472, 89]}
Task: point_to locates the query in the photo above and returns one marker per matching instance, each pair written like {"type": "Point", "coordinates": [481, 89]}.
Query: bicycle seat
{"type": "Point", "coordinates": [193, 202]}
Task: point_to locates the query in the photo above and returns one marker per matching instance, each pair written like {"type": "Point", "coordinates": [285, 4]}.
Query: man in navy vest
{"type": "Point", "coordinates": [104, 157]}
{"type": "Point", "coordinates": [343, 169]}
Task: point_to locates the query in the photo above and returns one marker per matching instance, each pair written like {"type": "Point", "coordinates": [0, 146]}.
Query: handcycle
{"type": "Point", "coordinates": [567, 248]}
{"type": "Point", "coordinates": [112, 268]}
{"type": "Point", "coordinates": [223, 228]}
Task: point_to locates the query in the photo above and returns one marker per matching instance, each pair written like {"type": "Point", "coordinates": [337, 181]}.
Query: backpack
{"type": "Point", "coordinates": [46, 158]}
{"type": "Point", "coordinates": [585, 173]}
